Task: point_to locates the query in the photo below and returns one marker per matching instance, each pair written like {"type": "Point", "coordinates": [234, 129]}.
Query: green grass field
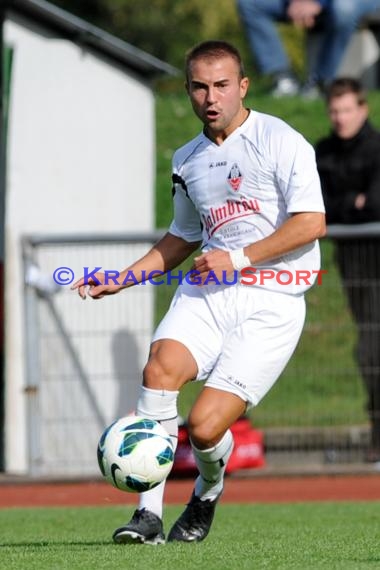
{"type": "Point", "coordinates": [307, 536]}
{"type": "Point", "coordinates": [321, 386]}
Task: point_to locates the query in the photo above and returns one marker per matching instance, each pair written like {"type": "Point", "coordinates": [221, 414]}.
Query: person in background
{"type": "Point", "coordinates": [349, 167]}
{"type": "Point", "coordinates": [336, 21]}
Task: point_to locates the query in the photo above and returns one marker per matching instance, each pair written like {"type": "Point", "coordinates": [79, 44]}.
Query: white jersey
{"type": "Point", "coordinates": [231, 195]}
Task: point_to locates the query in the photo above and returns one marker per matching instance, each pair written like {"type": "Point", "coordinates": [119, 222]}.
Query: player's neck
{"type": "Point", "coordinates": [218, 137]}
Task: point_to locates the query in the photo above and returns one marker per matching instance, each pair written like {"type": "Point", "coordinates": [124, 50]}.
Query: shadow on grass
{"type": "Point", "coordinates": [371, 559]}
{"type": "Point", "coordinates": [45, 543]}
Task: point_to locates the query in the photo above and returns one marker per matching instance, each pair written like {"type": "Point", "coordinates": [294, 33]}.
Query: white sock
{"type": "Point", "coordinates": [212, 464]}
{"type": "Point", "coordinates": [159, 405]}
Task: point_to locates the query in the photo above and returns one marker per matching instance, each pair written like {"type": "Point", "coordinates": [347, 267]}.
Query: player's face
{"type": "Point", "coordinates": [216, 93]}
{"type": "Point", "coordinates": [347, 116]}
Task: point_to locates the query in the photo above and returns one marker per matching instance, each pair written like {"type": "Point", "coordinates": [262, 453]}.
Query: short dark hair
{"type": "Point", "coordinates": [213, 49]}
{"type": "Point", "coordinates": [344, 85]}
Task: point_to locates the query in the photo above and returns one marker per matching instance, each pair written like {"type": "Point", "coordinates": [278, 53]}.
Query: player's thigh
{"type": "Point", "coordinates": [170, 365]}
{"type": "Point", "coordinates": [192, 322]}
{"type": "Point", "coordinates": [257, 351]}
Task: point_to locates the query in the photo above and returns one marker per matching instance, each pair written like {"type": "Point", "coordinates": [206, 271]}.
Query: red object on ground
{"type": "Point", "coordinates": [248, 452]}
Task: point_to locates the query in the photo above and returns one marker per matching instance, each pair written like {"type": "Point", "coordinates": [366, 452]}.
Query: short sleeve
{"type": "Point", "coordinates": [298, 176]}
{"type": "Point", "coordinates": [186, 223]}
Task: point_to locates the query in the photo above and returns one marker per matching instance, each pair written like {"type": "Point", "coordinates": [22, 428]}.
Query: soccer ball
{"type": "Point", "coordinates": [135, 454]}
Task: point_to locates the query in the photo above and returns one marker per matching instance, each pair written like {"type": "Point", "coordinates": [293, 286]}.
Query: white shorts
{"type": "Point", "coordinates": [241, 337]}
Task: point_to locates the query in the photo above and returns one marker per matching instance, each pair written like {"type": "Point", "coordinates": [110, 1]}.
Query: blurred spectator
{"type": "Point", "coordinates": [349, 166]}
{"type": "Point", "coordinates": [336, 21]}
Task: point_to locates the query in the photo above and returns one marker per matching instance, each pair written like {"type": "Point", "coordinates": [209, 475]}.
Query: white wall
{"type": "Point", "coordinates": [362, 59]}
{"type": "Point", "coordinates": [80, 158]}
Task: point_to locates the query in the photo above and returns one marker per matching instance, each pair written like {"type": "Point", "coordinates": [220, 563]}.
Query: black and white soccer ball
{"type": "Point", "coordinates": [135, 454]}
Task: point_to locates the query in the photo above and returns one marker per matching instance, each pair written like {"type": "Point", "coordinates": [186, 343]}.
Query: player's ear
{"type": "Point", "coordinates": [244, 84]}
{"type": "Point", "coordinates": [187, 87]}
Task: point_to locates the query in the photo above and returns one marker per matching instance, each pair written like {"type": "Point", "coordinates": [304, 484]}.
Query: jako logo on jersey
{"type": "Point", "coordinates": [235, 177]}
{"type": "Point", "coordinates": [215, 164]}
{"type": "Point", "coordinates": [227, 212]}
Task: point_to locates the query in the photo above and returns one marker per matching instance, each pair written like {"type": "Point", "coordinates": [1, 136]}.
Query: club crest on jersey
{"type": "Point", "coordinates": [235, 177]}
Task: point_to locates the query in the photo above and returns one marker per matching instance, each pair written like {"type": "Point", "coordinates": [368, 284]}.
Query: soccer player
{"type": "Point", "coordinates": [246, 189]}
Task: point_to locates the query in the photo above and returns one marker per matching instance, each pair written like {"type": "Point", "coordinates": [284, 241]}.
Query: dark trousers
{"type": "Point", "coordinates": [359, 264]}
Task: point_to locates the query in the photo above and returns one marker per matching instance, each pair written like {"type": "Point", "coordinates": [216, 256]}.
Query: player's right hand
{"type": "Point", "coordinates": [94, 287]}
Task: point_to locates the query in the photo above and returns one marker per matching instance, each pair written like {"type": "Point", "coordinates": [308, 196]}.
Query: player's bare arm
{"type": "Point", "coordinates": [301, 229]}
{"type": "Point", "coordinates": [165, 255]}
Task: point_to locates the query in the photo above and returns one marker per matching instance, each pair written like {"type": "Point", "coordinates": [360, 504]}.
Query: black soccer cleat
{"type": "Point", "coordinates": [144, 528]}
{"type": "Point", "coordinates": [195, 522]}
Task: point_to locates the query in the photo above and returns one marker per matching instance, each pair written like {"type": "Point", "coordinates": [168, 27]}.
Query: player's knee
{"type": "Point", "coordinates": [204, 434]}
{"type": "Point", "coordinates": [158, 376]}
{"type": "Point", "coordinates": [154, 374]}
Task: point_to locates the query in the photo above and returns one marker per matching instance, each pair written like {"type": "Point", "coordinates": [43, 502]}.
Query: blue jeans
{"type": "Point", "coordinates": [337, 26]}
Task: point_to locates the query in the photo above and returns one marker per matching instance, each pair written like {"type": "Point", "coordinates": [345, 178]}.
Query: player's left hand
{"type": "Point", "coordinates": [216, 261]}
